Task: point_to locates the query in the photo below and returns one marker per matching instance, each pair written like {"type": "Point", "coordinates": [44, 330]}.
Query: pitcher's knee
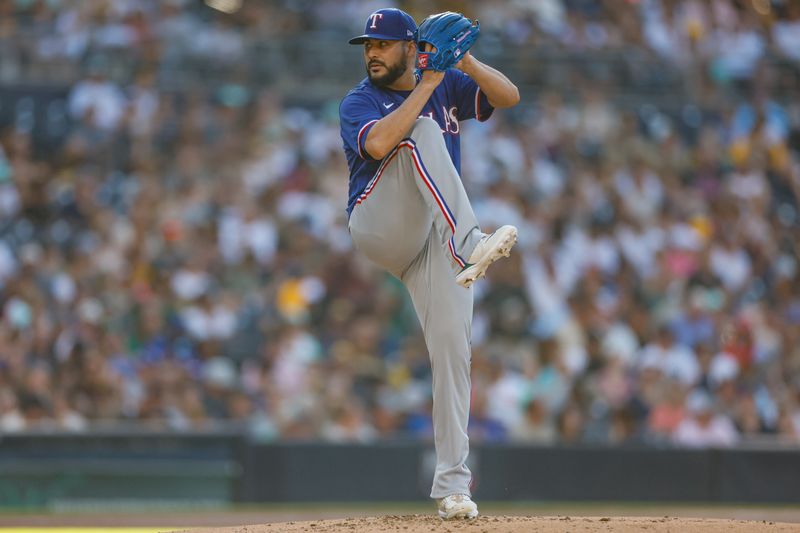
{"type": "Point", "coordinates": [425, 126]}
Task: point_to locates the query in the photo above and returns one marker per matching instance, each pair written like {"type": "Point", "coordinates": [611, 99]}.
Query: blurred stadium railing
{"type": "Point", "coordinates": [116, 468]}
{"type": "Point", "coordinates": [319, 65]}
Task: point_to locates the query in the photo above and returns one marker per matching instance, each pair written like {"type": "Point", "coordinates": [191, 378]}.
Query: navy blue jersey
{"type": "Point", "coordinates": [456, 98]}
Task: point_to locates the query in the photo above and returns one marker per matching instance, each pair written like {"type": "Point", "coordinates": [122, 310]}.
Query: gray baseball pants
{"type": "Point", "coordinates": [415, 220]}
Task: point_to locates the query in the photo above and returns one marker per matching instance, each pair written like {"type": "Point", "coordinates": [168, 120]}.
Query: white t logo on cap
{"type": "Point", "coordinates": [375, 17]}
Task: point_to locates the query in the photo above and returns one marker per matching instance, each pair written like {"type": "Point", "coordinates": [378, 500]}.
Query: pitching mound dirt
{"type": "Point", "coordinates": [512, 524]}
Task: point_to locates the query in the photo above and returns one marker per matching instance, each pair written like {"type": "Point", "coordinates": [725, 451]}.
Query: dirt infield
{"type": "Point", "coordinates": [512, 524]}
{"type": "Point", "coordinates": [418, 517]}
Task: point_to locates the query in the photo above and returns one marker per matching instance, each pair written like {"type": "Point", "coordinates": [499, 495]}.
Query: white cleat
{"type": "Point", "coordinates": [457, 506]}
{"type": "Point", "coordinates": [489, 249]}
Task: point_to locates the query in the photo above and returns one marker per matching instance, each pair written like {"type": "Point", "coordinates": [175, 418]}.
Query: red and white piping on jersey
{"type": "Point", "coordinates": [360, 133]}
{"type": "Point", "coordinates": [377, 176]}
{"type": "Point", "coordinates": [478, 104]}
{"type": "Point", "coordinates": [448, 215]}
{"type": "Point", "coordinates": [429, 183]}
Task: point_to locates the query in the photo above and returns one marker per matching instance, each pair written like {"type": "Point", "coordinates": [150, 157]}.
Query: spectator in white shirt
{"type": "Point", "coordinates": [100, 96]}
{"type": "Point", "coordinates": [704, 428]}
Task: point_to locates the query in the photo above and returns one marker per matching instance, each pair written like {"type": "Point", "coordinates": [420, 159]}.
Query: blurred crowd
{"type": "Point", "coordinates": [189, 41]}
{"type": "Point", "coordinates": [181, 259]}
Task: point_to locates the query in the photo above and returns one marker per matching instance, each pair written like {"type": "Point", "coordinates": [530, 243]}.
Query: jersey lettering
{"type": "Point", "coordinates": [446, 120]}
{"type": "Point", "coordinates": [451, 125]}
{"type": "Point", "coordinates": [453, 120]}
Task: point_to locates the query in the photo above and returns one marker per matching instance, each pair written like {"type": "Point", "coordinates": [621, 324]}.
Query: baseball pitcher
{"type": "Point", "coordinates": [408, 210]}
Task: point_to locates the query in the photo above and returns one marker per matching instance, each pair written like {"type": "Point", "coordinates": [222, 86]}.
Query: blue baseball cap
{"type": "Point", "coordinates": [388, 24]}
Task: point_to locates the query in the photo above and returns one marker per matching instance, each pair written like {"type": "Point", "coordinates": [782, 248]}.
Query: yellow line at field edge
{"type": "Point", "coordinates": [88, 529]}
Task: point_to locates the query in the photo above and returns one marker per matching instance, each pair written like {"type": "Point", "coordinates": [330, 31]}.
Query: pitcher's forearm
{"type": "Point", "coordinates": [500, 91]}
{"type": "Point", "coordinates": [391, 129]}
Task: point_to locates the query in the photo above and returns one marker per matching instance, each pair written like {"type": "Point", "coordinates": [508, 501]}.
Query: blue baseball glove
{"type": "Point", "coordinates": [452, 34]}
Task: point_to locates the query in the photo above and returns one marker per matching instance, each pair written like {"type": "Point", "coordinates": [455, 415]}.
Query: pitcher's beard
{"type": "Point", "coordinates": [393, 74]}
